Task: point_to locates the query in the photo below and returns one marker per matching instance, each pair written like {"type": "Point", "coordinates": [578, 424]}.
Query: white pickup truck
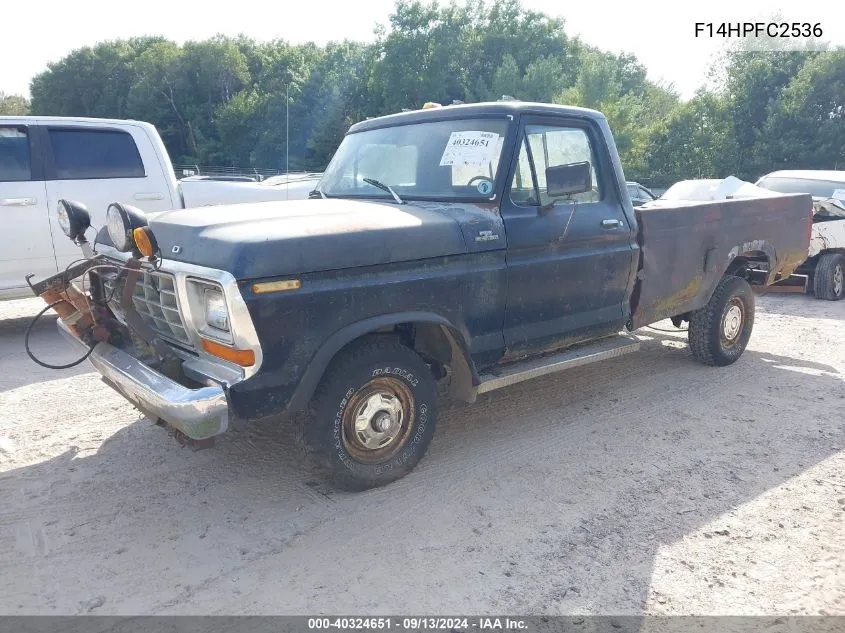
{"type": "Point", "coordinates": [96, 162]}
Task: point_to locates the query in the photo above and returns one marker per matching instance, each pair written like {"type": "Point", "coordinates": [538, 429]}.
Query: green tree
{"type": "Point", "coordinates": [90, 81]}
{"type": "Point", "coordinates": [806, 128]}
{"type": "Point", "coordinates": [13, 105]}
{"type": "Point", "coordinates": [690, 142]}
{"type": "Point", "coordinates": [751, 83]}
{"type": "Point", "coordinates": [157, 95]}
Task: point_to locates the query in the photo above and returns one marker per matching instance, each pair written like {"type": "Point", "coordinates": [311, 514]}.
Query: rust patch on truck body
{"type": "Point", "coordinates": [685, 250]}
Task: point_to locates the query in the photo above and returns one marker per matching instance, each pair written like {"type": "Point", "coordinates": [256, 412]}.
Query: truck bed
{"type": "Point", "coordinates": [686, 249]}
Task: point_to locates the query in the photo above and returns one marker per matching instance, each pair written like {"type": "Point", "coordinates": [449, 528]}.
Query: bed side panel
{"type": "Point", "coordinates": [685, 250]}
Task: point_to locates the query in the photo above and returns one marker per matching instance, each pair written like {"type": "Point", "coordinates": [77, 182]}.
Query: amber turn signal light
{"type": "Point", "coordinates": [276, 286]}
{"type": "Point", "coordinates": [242, 357]}
{"type": "Point", "coordinates": [145, 241]}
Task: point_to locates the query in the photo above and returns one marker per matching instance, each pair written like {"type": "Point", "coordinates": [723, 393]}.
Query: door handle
{"type": "Point", "coordinates": [610, 224]}
{"type": "Point", "coordinates": [18, 202]}
{"type": "Point", "coordinates": [149, 196]}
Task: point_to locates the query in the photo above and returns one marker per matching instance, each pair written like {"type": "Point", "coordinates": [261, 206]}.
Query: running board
{"type": "Point", "coordinates": [512, 373]}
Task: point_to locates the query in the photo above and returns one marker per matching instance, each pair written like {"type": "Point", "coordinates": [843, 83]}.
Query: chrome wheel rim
{"type": "Point", "coordinates": [837, 280]}
{"type": "Point", "coordinates": [377, 420]}
{"type": "Point", "coordinates": [732, 322]}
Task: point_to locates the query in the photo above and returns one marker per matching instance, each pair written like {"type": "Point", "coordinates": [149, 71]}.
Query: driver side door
{"type": "Point", "coordinates": [569, 259]}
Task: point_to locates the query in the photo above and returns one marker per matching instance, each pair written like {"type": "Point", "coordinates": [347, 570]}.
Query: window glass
{"type": "Point", "coordinates": [15, 165]}
{"type": "Point", "coordinates": [89, 154]}
{"type": "Point", "coordinates": [452, 159]}
{"type": "Point", "coordinates": [551, 147]}
{"type": "Point", "coordinates": [390, 164]}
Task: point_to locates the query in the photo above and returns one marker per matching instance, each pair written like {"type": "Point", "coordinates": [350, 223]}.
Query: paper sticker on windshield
{"type": "Point", "coordinates": [839, 194]}
{"type": "Point", "coordinates": [469, 148]}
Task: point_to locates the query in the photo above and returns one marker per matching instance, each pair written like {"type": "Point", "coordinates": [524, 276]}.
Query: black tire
{"type": "Point", "coordinates": [829, 277]}
{"type": "Point", "coordinates": [719, 332]}
{"type": "Point", "coordinates": [375, 372]}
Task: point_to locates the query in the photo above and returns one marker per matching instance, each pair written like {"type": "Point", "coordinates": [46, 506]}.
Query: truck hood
{"type": "Point", "coordinates": [270, 239]}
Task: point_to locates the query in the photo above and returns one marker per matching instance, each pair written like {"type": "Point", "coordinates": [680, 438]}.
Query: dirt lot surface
{"type": "Point", "coordinates": [645, 484]}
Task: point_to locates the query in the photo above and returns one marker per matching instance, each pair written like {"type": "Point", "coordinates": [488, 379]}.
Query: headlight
{"type": "Point", "coordinates": [216, 313]}
{"type": "Point", "coordinates": [209, 309]}
{"type": "Point", "coordinates": [73, 218]}
{"type": "Point", "coordinates": [121, 220]}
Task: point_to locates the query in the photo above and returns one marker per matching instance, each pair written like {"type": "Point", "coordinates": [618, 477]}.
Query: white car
{"type": "Point", "coordinates": [826, 261]}
{"type": "Point", "coordinates": [95, 162]}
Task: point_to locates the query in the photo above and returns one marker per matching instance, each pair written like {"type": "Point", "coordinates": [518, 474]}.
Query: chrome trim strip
{"type": "Point", "coordinates": [507, 375]}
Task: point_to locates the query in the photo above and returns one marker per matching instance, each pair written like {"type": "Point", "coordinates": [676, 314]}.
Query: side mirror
{"type": "Point", "coordinates": [73, 218]}
{"type": "Point", "coordinates": [562, 180]}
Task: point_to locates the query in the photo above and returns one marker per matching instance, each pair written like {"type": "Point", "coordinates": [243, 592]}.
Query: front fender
{"type": "Point", "coordinates": [340, 339]}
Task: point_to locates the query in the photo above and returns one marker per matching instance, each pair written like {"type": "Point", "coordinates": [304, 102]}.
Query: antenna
{"type": "Point", "coordinates": [287, 142]}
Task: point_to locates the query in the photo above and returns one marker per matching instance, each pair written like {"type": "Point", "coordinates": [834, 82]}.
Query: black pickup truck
{"type": "Point", "coordinates": [445, 252]}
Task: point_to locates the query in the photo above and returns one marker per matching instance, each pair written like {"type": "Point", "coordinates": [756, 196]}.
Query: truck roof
{"type": "Point", "coordinates": [468, 110]}
{"type": "Point", "coordinates": [808, 174]}
{"type": "Point", "coordinates": [71, 119]}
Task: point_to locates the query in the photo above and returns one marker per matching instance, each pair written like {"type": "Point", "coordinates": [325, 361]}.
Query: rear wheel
{"type": "Point", "coordinates": [829, 278]}
{"type": "Point", "coordinates": [373, 416]}
{"type": "Point", "coordinates": [720, 331]}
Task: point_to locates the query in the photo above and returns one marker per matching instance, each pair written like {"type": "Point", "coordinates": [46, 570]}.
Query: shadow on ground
{"type": "Point", "coordinates": [17, 369]}
{"type": "Point", "coordinates": [553, 496]}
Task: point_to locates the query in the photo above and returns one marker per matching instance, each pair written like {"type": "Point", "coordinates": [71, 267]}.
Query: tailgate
{"type": "Point", "coordinates": [686, 249]}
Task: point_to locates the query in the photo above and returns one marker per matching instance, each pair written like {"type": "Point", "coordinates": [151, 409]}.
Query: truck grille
{"type": "Point", "coordinates": [155, 301]}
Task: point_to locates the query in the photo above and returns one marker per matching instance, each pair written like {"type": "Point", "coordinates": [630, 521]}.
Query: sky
{"type": "Point", "coordinates": [660, 33]}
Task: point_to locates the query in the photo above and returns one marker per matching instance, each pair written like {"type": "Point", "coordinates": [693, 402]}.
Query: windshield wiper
{"type": "Point", "coordinates": [316, 190]}
{"type": "Point", "coordinates": [383, 187]}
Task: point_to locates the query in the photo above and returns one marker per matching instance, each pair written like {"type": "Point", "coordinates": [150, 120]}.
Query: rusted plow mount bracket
{"type": "Point", "coordinates": [63, 279]}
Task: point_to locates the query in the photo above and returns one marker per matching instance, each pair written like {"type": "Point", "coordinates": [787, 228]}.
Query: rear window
{"type": "Point", "coordinates": [816, 188]}
{"type": "Point", "coordinates": [91, 154]}
{"type": "Point", "coordinates": [15, 164]}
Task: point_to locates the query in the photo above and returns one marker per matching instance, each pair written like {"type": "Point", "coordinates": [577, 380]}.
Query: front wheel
{"type": "Point", "coordinates": [829, 277]}
{"type": "Point", "coordinates": [373, 416]}
{"type": "Point", "coordinates": [720, 331]}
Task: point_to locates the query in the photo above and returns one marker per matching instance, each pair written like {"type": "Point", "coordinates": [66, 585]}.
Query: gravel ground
{"type": "Point", "coordinates": [645, 484]}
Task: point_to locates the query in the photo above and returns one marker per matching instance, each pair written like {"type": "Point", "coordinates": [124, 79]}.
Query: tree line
{"type": "Point", "coordinates": [223, 101]}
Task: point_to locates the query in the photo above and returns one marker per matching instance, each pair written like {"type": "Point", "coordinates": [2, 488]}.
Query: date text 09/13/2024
{"type": "Point", "coordinates": [759, 29]}
{"type": "Point", "coordinates": [417, 623]}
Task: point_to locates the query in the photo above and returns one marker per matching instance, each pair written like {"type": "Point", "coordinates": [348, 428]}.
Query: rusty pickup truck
{"type": "Point", "coordinates": [445, 252]}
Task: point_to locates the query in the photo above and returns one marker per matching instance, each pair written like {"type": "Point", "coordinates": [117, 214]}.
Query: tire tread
{"type": "Point", "coordinates": [316, 451]}
{"type": "Point", "coordinates": [823, 277]}
{"type": "Point", "coordinates": [703, 320]}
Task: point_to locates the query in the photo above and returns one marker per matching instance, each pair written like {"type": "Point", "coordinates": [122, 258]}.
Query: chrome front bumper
{"type": "Point", "coordinates": [198, 413]}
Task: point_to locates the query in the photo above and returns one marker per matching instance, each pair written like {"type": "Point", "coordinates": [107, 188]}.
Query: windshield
{"type": "Point", "coordinates": [437, 160]}
{"type": "Point", "coordinates": [816, 188]}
